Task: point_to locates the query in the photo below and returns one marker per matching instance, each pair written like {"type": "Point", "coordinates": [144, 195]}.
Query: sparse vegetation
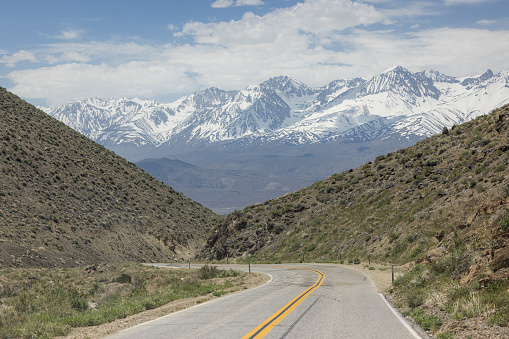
{"type": "Point", "coordinates": [67, 201]}
{"type": "Point", "coordinates": [45, 303]}
{"type": "Point", "coordinates": [210, 272]}
{"type": "Point", "coordinates": [425, 320]}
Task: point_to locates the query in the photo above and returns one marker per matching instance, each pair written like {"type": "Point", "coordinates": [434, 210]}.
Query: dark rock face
{"type": "Point", "coordinates": [501, 259]}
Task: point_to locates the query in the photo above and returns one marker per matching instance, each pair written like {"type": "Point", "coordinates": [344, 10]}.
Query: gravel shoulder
{"type": "Point", "coordinates": [381, 275]}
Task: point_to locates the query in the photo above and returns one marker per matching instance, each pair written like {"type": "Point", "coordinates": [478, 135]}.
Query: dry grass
{"type": "Point", "coordinates": [44, 303]}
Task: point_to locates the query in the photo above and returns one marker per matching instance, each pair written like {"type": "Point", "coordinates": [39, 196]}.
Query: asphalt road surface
{"type": "Point", "coordinates": [300, 301]}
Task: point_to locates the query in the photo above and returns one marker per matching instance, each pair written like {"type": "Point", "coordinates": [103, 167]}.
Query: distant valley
{"type": "Point", "coordinates": [247, 146]}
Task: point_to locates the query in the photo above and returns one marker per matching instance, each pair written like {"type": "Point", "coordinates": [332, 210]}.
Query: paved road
{"type": "Point", "coordinates": [311, 301]}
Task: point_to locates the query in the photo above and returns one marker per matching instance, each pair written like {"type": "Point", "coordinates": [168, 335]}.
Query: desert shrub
{"type": "Point", "coordinates": [425, 320]}
{"type": "Point", "coordinates": [31, 308]}
{"type": "Point", "coordinates": [323, 196]}
{"type": "Point", "coordinates": [79, 303]}
{"type": "Point", "coordinates": [414, 298]}
{"type": "Point", "coordinates": [208, 272]}
{"type": "Point", "coordinates": [504, 223]}
{"type": "Point", "coordinates": [445, 335]}
{"type": "Point", "coordinates": [123, 279]}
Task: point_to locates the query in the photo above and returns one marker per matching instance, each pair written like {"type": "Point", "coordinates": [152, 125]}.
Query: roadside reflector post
{"type": "Point", "coordinates": [189, 263]}
{"type": "Point", "coordinates": [249, 265]}
{"type": "Point", "coordinates": [227, 259]}
{"type": "Point", "coordinates": [392, 273]}
{"type": "Point", "coordinates": [369, 259]}
{"type": "Point", "coordinates": [303, 257]}
{"type": "Point", "coordinates": [339, 255]}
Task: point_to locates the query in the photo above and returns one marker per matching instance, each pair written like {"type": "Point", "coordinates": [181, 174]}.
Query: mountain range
{"type": "Point", "coordinates": [299, 132]}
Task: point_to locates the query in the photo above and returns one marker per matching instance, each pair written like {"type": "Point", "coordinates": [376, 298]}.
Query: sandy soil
{"type": "Point", "coordinates": [381, 276]}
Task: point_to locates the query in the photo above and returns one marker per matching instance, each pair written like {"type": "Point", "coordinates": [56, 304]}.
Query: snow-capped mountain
{"type": "Point", "coordinates": [266, 140]}
{"type": "Point", "coordinates": [396, 102]}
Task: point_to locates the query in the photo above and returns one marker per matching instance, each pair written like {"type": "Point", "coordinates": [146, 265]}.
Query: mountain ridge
{"type": "Point", "coordinates": [287, 110]}
{"type": "Point", "coordinates": [66, 200]}
{"type": "Point", "coordinates": [342, 124]}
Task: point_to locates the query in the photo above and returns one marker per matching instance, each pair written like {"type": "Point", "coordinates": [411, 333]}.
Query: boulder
{"type": "Point", "coordinates": [501, 258]}
{"type": "Point", "coordinates": [436, 254]}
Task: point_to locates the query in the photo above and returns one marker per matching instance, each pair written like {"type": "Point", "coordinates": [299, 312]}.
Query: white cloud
{"type": "Point", "coordinates": [285, 24]}
{"type": "Point", "coordinates": [70, 34]}
{"type": "Point", "coordinates": [486, 22]}
{"type": "Point", "coordinates": [461, 51]}
{"type": "Point", "coordinates": [303, 41]}
{"type": "Point", "coordinates": [463, 2]}
{"type": "Point", "coordinates": [249, 3]}
{"type": "Point", "coordinates": [12, 60]}
{"type": "Point", "coordinates": [96, 52]}
{"type": "Point", "coordinates": [222, 4]}
{"type": "Point", "coordinates": [68, 82]}
{"type": "Point", "coordinates": [238, 3]}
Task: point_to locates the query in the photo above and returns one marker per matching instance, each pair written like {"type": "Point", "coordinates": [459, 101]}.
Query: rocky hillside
{"type": "Point", "coordinates": [65, 200]}
{"type": "Point", "coordinates": [440, 207]}
{"type": "Point", "coordinates": [404, 206]}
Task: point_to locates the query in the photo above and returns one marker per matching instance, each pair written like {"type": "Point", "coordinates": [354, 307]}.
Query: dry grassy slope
{"type": "Point", "coordinates": [450, 186]}
{"type": "Point", "coordinates": [65, 200]}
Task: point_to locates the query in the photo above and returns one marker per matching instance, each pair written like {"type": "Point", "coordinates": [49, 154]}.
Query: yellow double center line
{"type": "Point", "coordinates": [261, 330]}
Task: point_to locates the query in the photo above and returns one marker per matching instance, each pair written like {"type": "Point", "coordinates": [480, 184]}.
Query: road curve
{"type": "Point", "coordinates": [300, 301]}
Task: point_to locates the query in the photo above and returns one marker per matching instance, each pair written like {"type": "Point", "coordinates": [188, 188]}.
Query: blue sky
{"type": "Point", "coordinates": [56, 51]}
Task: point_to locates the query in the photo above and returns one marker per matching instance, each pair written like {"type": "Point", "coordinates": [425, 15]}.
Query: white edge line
{"type": "Point", "coordinates": [198, 305]}
{"type": "Point", "coordinates": [403, 321]}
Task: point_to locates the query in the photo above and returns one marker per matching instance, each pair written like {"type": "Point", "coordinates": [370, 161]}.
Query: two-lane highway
{"type": "Point", "coordinates": [300, 301]}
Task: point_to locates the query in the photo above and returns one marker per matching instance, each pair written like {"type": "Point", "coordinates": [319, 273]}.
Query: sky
{"type": "Point", "coordinates": [57, 51]}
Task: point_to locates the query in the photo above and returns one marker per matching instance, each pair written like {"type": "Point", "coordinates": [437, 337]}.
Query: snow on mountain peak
{"type": "Point", "coordinates": [400, 81]}
{"type": "Point", "coordinates": [290, 87]}
{"type": "Point", "coordinates": [394, 68]}
{"type": "Point", "coordinates": [477, 79]}
{"type": "Point", "coordinates": [287, 110]}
